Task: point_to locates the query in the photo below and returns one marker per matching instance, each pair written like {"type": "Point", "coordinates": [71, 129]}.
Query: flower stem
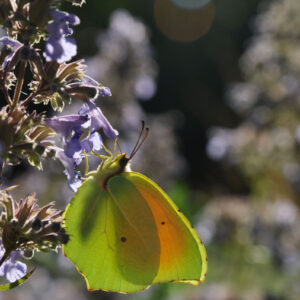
{"type": "Point", "coordinates": [6, 96]}
{"type": "Point", "coordinates": [19, 85]}
{"type": "Point", "coordinates": [29, 98]}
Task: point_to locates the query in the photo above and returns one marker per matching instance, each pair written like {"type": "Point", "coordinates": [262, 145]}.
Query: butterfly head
{"type": "Point", "coordinates": [116, 164]}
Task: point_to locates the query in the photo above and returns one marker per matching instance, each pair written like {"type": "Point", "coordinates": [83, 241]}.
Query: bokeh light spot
{"type": "Point", "coordinates": [181, 24]}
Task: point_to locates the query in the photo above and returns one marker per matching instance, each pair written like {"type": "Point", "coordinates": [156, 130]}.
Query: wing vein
{"type": "Point", "coordinates": [132, 225]}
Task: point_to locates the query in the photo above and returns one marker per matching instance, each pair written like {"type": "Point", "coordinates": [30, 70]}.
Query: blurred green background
{"type": "Point", "coordinates": [224, 120]}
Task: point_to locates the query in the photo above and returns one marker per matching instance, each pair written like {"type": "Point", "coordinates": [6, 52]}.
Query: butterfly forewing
{"type": "Point", "coordinates": [108, 243]}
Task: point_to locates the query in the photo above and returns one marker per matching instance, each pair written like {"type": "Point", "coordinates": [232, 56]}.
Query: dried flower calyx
{"type": "Point", "coordinates": [22, 135]}
{"type": "Point", "coordinates": [27, 228]}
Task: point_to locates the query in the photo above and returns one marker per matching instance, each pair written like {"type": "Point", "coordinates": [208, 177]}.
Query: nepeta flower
{"type": "Point", "coordinates": [73, 176]}
{"type": "Point", "coordinates": [97, 119]}
{"type": "Point", "coordinates": [14, 45]}
{"type": "Point", "coordinates": [80, 132]}
{"type": "Point", "coordinates": [11, 268]}
{"type": "Point", "coordinates": [93, 142]}
{"type": "Point", "coordinates": [103, 90]}
{"type": "Point", "coordinates": [64, 125]}
{"type": "Point", "coordinates": [73, 148]}
{"type": "Point", "coordinates": [60, 47]}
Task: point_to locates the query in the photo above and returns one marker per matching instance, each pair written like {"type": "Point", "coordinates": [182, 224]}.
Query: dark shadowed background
{"type": "Point", "coordinates": [224, 117]}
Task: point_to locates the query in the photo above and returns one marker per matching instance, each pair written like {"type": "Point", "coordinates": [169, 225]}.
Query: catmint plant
{"type": "Point", "coordinates": [52, 80]}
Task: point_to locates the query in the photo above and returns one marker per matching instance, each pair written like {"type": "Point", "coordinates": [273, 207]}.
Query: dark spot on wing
{"type": "Point", "coordinates": [123, 239]}
{"type": "Point", "coordinates": [179, 210]}
{"type": "Point", "coordinates": [163, 223]}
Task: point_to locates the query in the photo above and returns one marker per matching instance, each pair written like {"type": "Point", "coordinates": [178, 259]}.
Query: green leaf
{"type": "Point", "coordinates": [9, 286]}
{"type": "Point", "coordinates": [35, 160]}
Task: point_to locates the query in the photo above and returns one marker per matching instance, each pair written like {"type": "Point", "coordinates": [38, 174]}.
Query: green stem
{"type": "Point", "coordinates": [19, 85]}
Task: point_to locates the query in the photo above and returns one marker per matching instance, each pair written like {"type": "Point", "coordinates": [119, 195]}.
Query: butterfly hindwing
{"type": "Point", "coordinates": [113, 238]}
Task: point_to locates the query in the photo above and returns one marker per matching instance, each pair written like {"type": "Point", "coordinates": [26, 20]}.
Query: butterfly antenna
{"type": "Point", "coordinates": [140, 142]}
{"type": "Point", "coordinates": [139, 138]}
{"type": "Point", "coordinates": [119, 146]}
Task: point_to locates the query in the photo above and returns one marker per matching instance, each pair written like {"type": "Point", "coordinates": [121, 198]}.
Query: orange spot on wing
{"type": "Point", "coordinates": [172, 234]}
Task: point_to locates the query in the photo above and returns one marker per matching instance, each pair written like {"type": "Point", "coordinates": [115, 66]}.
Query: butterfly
{"type": "Point", "coordinates": [126, 233]}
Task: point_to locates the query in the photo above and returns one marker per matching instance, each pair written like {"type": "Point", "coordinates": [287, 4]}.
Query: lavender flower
{"type": "Point", "coordinates": [13, 44]}
{"type": "Point", "coordinates": [97, 119]}
{"type": "Point", "coordinates": [71, 128]}
{"type": "Point", "coordinates": [73, 177]}
{"type": "Point", "coordinates": [103, 90]}
{"type": "Point", "coordinates": [74, 146]}
{"type": "Point", "coordinates": [93, 142]}
{"type": "Point", "coordinates": [11, 268]}
{"type": "Point", "coordinates": [66, 124]}
{"type": "Point", "coordinates": [60, 47]}
{"type": "Point", "coordinates": [72, 155]}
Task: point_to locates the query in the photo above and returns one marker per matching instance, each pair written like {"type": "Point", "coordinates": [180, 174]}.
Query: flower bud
{"type": "Point", "coordinates": [55, 226]}
{"type": "Point", "coordinates": [28, 253]}
{"type": "Point", "coordinates": [37, 225]}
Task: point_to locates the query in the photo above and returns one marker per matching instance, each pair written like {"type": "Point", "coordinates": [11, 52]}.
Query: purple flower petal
{"type": "Point", "coordinates": [90, 81]}
{"type": "Point", "coordinates": [96, 141]}
{"type": "Point", "coordinates": [59, 46]}
{"type": "Point", "coordinates": [64, 17]}
{"type": "Point", "coordinates": [84, 110]}
{"type": "Point", "coordinates": [105, 91]}
{"type": "Point", "coordinates": [10, 42]}
{"type": "Point", "coordinates": [14, 255]}
{"type": "Point", "coordinates": [98, 121]}
{"type": "Point", "coordinates": [93, 142]}
{"type": "Point", "coordinates": [60, 50]}
{"type": "Point", "coordinates": [73, 176]}
{"type": "Point", "coordinates": [73, 148]}
{"type": "Point", "coordinates": [14, 44]}
{"type": "Point", "coordinates": [11, 268]}
{"type": "Point", "coordinates": [14, 270]}
{"type": "Point", "coordinates": [66, 124]}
